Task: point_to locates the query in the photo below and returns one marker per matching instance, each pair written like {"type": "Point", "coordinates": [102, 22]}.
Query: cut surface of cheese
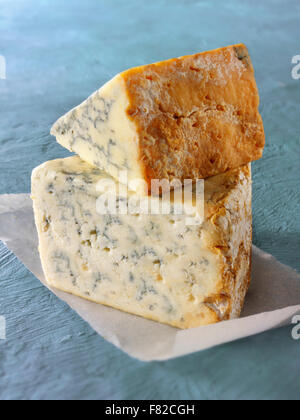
{"type": "Point", "coordinates": [154, 266]}
{"type": "Point", "coordinates": [187, 118]}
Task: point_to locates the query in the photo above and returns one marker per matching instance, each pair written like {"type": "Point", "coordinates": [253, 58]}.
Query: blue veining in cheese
{"type": "Point", "coordinates": [154, 266]}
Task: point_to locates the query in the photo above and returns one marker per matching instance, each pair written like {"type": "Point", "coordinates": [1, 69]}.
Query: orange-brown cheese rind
{"type": "Point", "coordinates": [196, 116]}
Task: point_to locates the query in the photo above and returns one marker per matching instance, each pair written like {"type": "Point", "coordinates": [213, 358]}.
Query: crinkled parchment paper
{"type": "Point", "coordinates": [274, 298]}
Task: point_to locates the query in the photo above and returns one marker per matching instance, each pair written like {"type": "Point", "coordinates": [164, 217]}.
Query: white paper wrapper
{"type": "Point", "coordinates": [273, 300]}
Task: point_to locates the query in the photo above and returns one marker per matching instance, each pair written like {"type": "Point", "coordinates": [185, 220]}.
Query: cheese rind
{"type": "Point", "coordinates": [154, 266]}
{"type": "Point", "coordinates": [186, 118]}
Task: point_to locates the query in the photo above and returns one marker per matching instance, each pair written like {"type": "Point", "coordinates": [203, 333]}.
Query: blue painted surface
{"type": "Point", "coordinates": [57, 53]}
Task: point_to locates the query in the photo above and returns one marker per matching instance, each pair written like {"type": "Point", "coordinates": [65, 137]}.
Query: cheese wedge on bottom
{"type": "Point", "coordinates": [155, 266]}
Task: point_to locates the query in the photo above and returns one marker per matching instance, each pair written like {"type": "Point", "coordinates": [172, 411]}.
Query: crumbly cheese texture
{"type": "Point", "coordinates": [154, 266]}
{"type": "Point", "coordinates": [187, 118]}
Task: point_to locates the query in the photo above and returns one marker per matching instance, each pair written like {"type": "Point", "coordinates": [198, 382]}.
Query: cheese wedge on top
{"type": "Point", "coordinates": [156, 266]}
{"type": "Point", "coordinates": [186, 118]}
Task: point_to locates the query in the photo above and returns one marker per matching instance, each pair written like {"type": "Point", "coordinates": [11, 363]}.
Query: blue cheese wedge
{"type": "Point", "coordinates": [187, 118]}
{"type": "Point", "coordinates": [155, 266]}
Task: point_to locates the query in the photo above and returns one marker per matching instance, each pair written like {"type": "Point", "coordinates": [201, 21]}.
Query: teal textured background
{"type": "Point", "coordinates": [58, 52]}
